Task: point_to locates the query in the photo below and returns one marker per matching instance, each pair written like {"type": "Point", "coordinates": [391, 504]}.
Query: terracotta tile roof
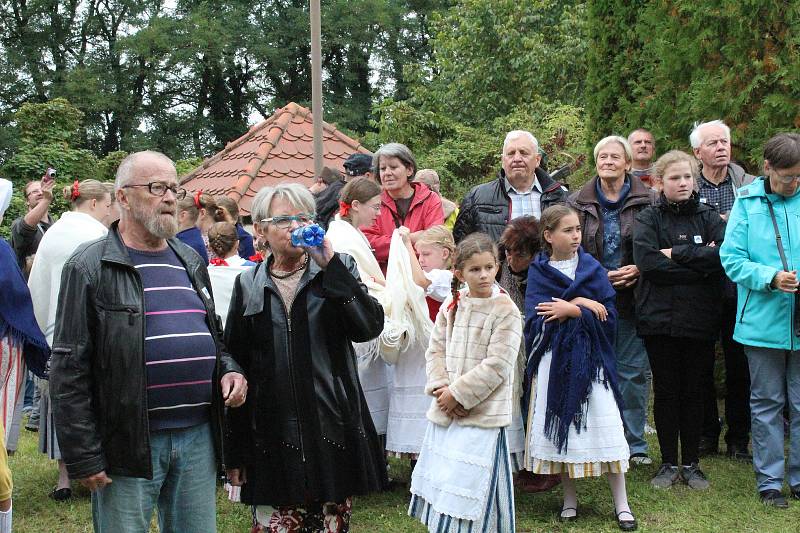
{"type": "Point", "coordinates": [280, 149]}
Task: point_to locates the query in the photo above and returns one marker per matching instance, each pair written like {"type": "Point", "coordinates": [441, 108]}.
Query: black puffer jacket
{"type": "Point", "coordinates": [97, 378]}
{"type": "Point", "coordinates": [679, 297]}
{"type": "Point", "coordinates": [305, 433]}
{"type": "Point", "coordinates": [487, 207]}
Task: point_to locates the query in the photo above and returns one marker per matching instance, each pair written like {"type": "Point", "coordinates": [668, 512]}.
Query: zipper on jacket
{"type": "Point", "coordinates": [746, 299]}
{"type": "Point", "coordinates": [291, 366]}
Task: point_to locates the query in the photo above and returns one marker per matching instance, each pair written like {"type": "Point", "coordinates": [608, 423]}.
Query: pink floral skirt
{"type": "Point", "coordinates": [327, 517]}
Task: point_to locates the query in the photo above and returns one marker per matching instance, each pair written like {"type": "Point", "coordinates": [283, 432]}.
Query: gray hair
{"type": "Point", "coordinates": [605, 141]}
{"type": "Point", "coordinates": [294, 193]}
{"type": "Point", "coordinates": [125, 169]}
{"type": "Point", "coordinates": [783, 151]}
{"type": "Point", "coordinates": [400, 151]}
{"type": "Point", "coordinates": [695, 139]}
{"type": "Point", "coordinates": [515, 134]}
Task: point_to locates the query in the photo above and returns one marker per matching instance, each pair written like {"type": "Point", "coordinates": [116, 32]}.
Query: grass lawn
{"type": "Point", "coordinates": [729, 506]}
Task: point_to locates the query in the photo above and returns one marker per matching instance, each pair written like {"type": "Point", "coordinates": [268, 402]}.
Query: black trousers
{"type": "Point", "coordinates": [737, 388]}
{"type": "Point", "coordinates": [679, 365]}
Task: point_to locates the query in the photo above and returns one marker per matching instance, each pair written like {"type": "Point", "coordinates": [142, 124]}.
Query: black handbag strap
{"type": "Point", "coordinates": [778, 239]}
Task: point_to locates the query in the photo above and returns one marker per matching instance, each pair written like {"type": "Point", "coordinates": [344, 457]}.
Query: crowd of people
{"type": "Point", "coordinates": [506, 343]}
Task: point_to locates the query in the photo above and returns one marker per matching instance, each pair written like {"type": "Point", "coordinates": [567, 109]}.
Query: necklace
{"type": "Point", "coordinates": [290, 273]}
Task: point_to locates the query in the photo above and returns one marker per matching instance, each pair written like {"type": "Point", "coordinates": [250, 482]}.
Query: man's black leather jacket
{"type": "Point", "coordinates": [97, 377]}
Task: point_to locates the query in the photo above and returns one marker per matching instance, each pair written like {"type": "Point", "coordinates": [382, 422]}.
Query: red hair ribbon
{"type": "Point", "coordinates": [454, 303]}
{"type": "Point", "coordinates": [218, 261]}
{"type": "Point", "coordinates": [197, 199]}
{"type": "Point", "coordinates": [344, 208]}
{"type": "Point", "coordinates": [256, 258]}
{"type": "Point", "coordinates": [76, 191]}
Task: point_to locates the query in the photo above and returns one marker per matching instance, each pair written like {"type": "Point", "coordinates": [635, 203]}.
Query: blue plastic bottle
{"type": "Point", "coordinates": [311, 235]}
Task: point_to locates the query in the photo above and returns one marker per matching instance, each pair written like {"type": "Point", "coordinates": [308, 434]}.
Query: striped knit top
{"type": "Point", "coordinates": [179, 350]}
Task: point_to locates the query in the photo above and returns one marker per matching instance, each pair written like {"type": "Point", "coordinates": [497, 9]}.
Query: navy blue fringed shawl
{"type": "Point", "coordinates": [16, 313]}
{"type": "Point", "coordinates": [580, 347]}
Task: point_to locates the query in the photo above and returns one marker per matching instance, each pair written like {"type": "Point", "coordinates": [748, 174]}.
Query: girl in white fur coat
{"type": "Point", "coordinates": [462, 481]}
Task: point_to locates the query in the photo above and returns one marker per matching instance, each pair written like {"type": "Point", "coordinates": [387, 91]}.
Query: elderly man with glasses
{"type": "Point", "coordinates": [139, 373]}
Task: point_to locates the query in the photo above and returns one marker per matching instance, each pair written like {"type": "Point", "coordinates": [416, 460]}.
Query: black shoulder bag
{"type": "Point", "coordinates": [779, 243]}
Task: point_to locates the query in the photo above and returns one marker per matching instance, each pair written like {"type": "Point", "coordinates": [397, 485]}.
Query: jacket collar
{"type": "Point", "coordinates": [421, 193]}
{"type": "Point", "coordinates": [115, 251]}
{"type": "Point", "coordinates": [261, 278]}
{"type": "Point", "coordinates": [639, 191]}
{"type": "Point", "coordinates": [546, 183]}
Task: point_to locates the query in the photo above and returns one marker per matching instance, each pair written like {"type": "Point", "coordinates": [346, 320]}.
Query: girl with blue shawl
{"type": "Point", "coordinates": [574, 420]}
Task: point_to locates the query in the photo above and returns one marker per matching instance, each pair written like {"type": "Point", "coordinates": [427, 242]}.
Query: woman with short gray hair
{"type": "Point", "coordinates": [606, 206]}
{"type": "Point", "coordinates": [403, 202]}
{"type": "Point", "coordinates": [303, 443]}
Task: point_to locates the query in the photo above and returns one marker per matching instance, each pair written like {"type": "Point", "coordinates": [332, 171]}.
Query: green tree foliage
{"type": "Point", "coordinates": [492, 56]}
{"type": "Point", "coordinates": [46, 131]}
{"type": "Point", "coordinates": [666, 64]}
{"type": "Point", "coordinates": [498, 65]}
{"type": "Point", "coordinates": [188, 76]}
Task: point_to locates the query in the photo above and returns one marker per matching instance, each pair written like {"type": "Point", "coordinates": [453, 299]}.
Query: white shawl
{"type": "Point", "coordinates": [405, 311]}
{"type": "Point", "coordinates": [57, 245]}
{"type": "Point", "coordinates": [345, 238]}
{"type": "Point", "coordinates": [407, 317]}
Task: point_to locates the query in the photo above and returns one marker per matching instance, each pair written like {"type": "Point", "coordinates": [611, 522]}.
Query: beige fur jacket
{"type": "Point", "coordinates": [475, 355]}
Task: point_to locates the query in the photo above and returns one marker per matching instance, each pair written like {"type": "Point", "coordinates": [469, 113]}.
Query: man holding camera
{"type": "Point", "coordinates": [27, 231]}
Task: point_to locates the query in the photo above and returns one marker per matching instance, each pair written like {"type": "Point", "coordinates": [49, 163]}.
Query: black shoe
{"type": "Point", "coordinates": [708, 447]}
{"type": "Point", "coordinates": [626, 524]}
{"type": "Point", "coordinates": [774, 498]}
{"type": "Point", "coordinates": [796, 493]}
{"type": "Point", "coordinates": [61, 495]}
{"type": "Point", "coordinates": [739, 453]}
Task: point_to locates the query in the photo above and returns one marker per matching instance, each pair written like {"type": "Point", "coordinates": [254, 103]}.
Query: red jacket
{"type": "Point", "coordinates": [425, 211]}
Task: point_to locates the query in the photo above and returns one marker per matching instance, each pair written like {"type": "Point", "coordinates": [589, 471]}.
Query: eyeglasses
{"type": "Point", "coordinates": [285, 221]}
{"type": "Point", "coordinates": [376, 208]}
{"type": "Point", "coordinates": [158, 188]}
{"type": "Point", "coordinates": [785, 179]}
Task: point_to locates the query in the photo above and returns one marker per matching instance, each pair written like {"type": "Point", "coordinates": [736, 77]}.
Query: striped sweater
{"type": "Point", "coordinates": [180, 352]}
{"type": "Point", "coordinates": [475, 355]}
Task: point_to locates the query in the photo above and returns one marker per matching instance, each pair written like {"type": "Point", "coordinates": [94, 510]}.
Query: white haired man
{"type": "Point", "coordinates": [718, 186]}
{"type": "Point", "coordinates": [521, 188]}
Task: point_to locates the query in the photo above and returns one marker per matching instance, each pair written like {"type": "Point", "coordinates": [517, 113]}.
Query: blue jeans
{"type": "Point", "coordinates": [773, 373]}
{"type": "Point", "coordinates": [183, 488]}
{"type": "Point", "coordinates": [632, 369]}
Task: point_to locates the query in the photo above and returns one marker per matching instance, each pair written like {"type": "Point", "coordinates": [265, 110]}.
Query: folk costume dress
{"type": "Point", "coordinates": [576, 425]}
{"type": "Point", "coordinates": [373, 372]}
{"type": "Point", "coordinates": [22, 343]}
{"type": "Point", "coordinates": [58, 244]}
{"type": "Point", "coordinates": [462, 481]}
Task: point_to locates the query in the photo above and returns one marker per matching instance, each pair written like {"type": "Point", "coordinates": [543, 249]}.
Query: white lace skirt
{"type": "Point", "coordinates": [408, 402]}
{"type": "Point", "coordinates": [462, 482]}
{"type": "Point", "coordinates": [600, 447]}
{"type": "Point", "coordinates": [374, 377]}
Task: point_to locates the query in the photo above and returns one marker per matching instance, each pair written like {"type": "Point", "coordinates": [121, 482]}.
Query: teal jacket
{"type": "Point", "coordinates": [749, 254]}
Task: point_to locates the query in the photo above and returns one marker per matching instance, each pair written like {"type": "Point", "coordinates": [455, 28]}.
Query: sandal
{"type": "Point", "coordinates": [626, 525]}
{"type": "Point", "coordinates": [568, 518]}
